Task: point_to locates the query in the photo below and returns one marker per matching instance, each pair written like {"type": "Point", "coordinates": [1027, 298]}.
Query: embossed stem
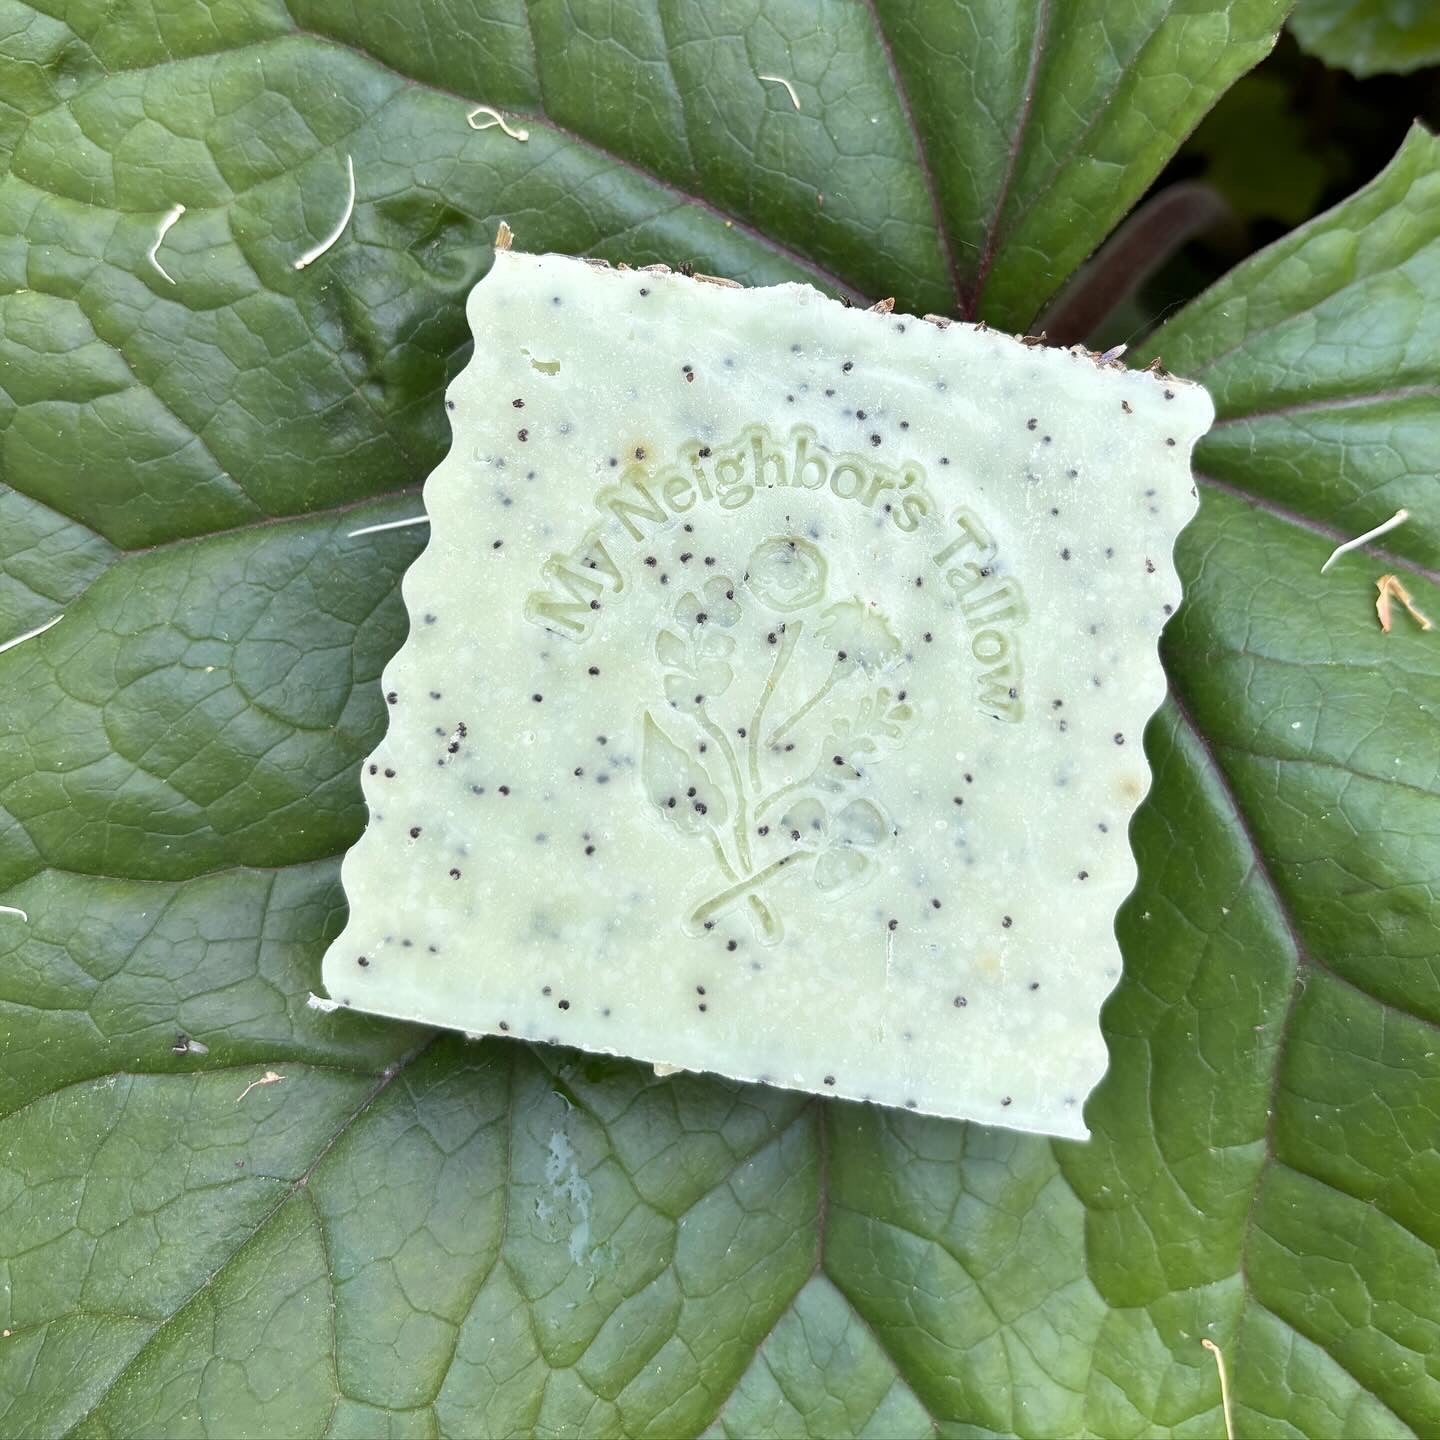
{"type": "Point", "coordinates": [809, 705]}
{"type": "Point", "coordinates": [726, 898]}
{"type": "Point", "coordinates": [742, 836]}
{"type": "Point", "coordinates": [789, 636]}
{"type": "Point", "coordinates": [764, 917]}
{"type": "Point", "coordinates": [780, 794]}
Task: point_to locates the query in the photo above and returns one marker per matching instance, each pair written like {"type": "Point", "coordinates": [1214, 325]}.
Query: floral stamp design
{"type": "Point", "coordinates": [722, 769]}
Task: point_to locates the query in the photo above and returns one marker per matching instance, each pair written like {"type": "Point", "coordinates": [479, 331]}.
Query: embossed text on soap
{"type": "Point", "coordinates": [643, 501]}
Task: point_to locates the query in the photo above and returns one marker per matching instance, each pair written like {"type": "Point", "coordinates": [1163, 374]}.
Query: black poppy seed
{"type": "Point", "coordinates": [1006, 921]}
{"type": "Point", "coordinates": [960, 1002]}
{"type": "Point", "coordinates": [702, 1007]}
{"type": "Point", "coordinates": [874, 439]}
{"type": "Point", "coordinates": [919, 581]}
{"type": "Point", "coordinates": [699, 989]}
{"type": "Point", "coordinates": [927, 637]}
{"type": "Point", "coordinates": [522, 434]}
{"type": "Point", "coordinates": [771, 637]}
{"type": "Point", "coordinates": [892, 924]}
{"type": "Point", "coordinates": [794, 834]}
{"type": "Point", "coordinates": [687, 556]}
{"type": "Point", "coordinates": [563, 1004]}
{"type": "Point", "coordinates": [838, 759]}
{"type": "Point", "coordinates": [639, 452]}
{"type": "Point", "coordinates": [496, 544]}
{"type": "Point", "coordinates": [392, 698]}
{"type": "Point", "coordinates": [701, 807]}
{"type": "Point", "coordinates": [957, 799]}
{"type": "Point", "coordinates": [374, 769]}
{"type": "Point", "coordinates": [1119, 738]}
{"type": "Point", "coordinates": [1031, 423]}
{"type": "Point", "coordinates": [969, 778]}
{"type": "Point", "coordinates": [1083, 875]}
{"type": "Point", "coordinates": [1125, 406]}
{"type": "Point", "coordinates": [643, 290]}
{"type": "Point", "coordinates": [688, 528]}
{"type": "Point", "coordinates": [859, 414]}
{"type": "Point", "coordinates": [764, 830]}
{"type": "Point", "coordinates": [1168, 609]}
{"type": "Point", "coordinates": [449, 404]}
{"type": "Point", "coordinates": [1103, 828]}
{"type": "Point", "coordinates": [944, 459]}
{"type": "Point", "coordinates": [790, 746]}
{"type": "Point", "coordinates": [544, 989]}
{"type": "Point", "coordinates": [709, 924]}
{"type": "Point", "coordinates": [1149, 567]}
{"type": "Point", "coordinates": [602, 779]}
{"type": "Point", "coordinates": [911, 1105]}
{"type": "Point", "coordinates": [578, 770]}
{"type": "Point", "coordinates": [829, 393]}
{"type": "Point", "coordinates": [362, 961]}
{"type": "Point", "coordinates": [414, 832]}
{"type": "Point", "coordinates": [1006, 1100]}
{"type": "Point", "coordinates": [505, 1025]}
{"type": "Point", "coordinates": [848, 366]}
{"type": "Point", "coordinates": [537, 697]}
{"type": "Point", "coordinates": [518, 404]}
{"type": "Point", "coordinates": [1034, 984]}
{"type": "Point", "coordinates": [829, 1079]}
{"type": "Point", "coordinates": [454, 874]}
{"type": "Point", "coordinates": [504, 789]}
{"type": "Point", "coordinates": [1064, 554]}
{"type": "Point", "coordinates": [664, 578]}
{"type": "Point", "coordinates": [602, 739]}
{"type": "Point", "coordinates": [435, 695]}
{"type": "Point", "coordinates": [934, 904]}
{"type": "Point", "coordinates": [593, 670]}
{"type": "Point", "coordinates": [732, 944]}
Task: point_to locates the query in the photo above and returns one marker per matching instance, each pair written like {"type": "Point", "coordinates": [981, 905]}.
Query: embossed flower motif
{"type": "Point", "coordinates": [697, 670]}
{"type": "Point", "coordinates": [715, 605]}
{"type": "Point", "coordinates": [787, 574]}
{"type": "Point", "coordinates": [840, 841]}
{"type": "Point", "coordinates": [859, 632]}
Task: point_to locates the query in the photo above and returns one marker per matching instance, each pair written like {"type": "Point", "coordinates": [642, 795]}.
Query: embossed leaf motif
{"type": "Point", "coordinates": [678, 785]}
{"type": "Point", "coordinates": [358, 1247]}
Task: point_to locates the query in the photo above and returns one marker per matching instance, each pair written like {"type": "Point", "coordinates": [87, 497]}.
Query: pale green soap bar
{"type": "Point", "coordinates": [773, 698]}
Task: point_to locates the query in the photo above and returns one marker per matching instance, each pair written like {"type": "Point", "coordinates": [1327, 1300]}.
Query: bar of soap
{"type": "Point", "coordinates": [773, 698]}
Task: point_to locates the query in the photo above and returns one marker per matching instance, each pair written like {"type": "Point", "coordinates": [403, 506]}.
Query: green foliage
{"type": "Point", "coordinates": [413, 1235]}
{"type": "Point", "coordinates": [1369, 37]}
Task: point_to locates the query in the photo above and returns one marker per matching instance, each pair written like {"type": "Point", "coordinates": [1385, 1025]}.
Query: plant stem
{"type": "Point", "coordinates": [809, 705]}
{"type": "Point", "coordinates": [788, 638]}
{"type": "Point", "coordinates": [742, 829]}
{"type": "Point", "coordinates": [726, 897]}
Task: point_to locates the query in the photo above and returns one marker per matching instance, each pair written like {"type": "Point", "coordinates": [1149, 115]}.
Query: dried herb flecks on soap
{"type": "Point", "coordinates": [774, 694]}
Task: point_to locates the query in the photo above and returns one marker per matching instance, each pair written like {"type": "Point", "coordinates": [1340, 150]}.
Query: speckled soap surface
{"type": "Point", "coordinates": [774, 694]}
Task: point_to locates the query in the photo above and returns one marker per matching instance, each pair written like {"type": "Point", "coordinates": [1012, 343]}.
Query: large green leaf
{"type": "Point", "coordinates": [1369, 37]}
{"type": "Point", "coordinates": [408, 1234]}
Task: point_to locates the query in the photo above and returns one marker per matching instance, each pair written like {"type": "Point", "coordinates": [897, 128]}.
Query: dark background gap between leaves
{"type": "Point", "coordinates": [1288, 140]}
{"type": "Point", "coordinates": [381, 1243]}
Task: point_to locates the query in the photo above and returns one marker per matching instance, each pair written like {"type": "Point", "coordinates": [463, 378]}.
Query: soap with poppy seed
{"type": "Point", "coordinates": [774, 694]}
